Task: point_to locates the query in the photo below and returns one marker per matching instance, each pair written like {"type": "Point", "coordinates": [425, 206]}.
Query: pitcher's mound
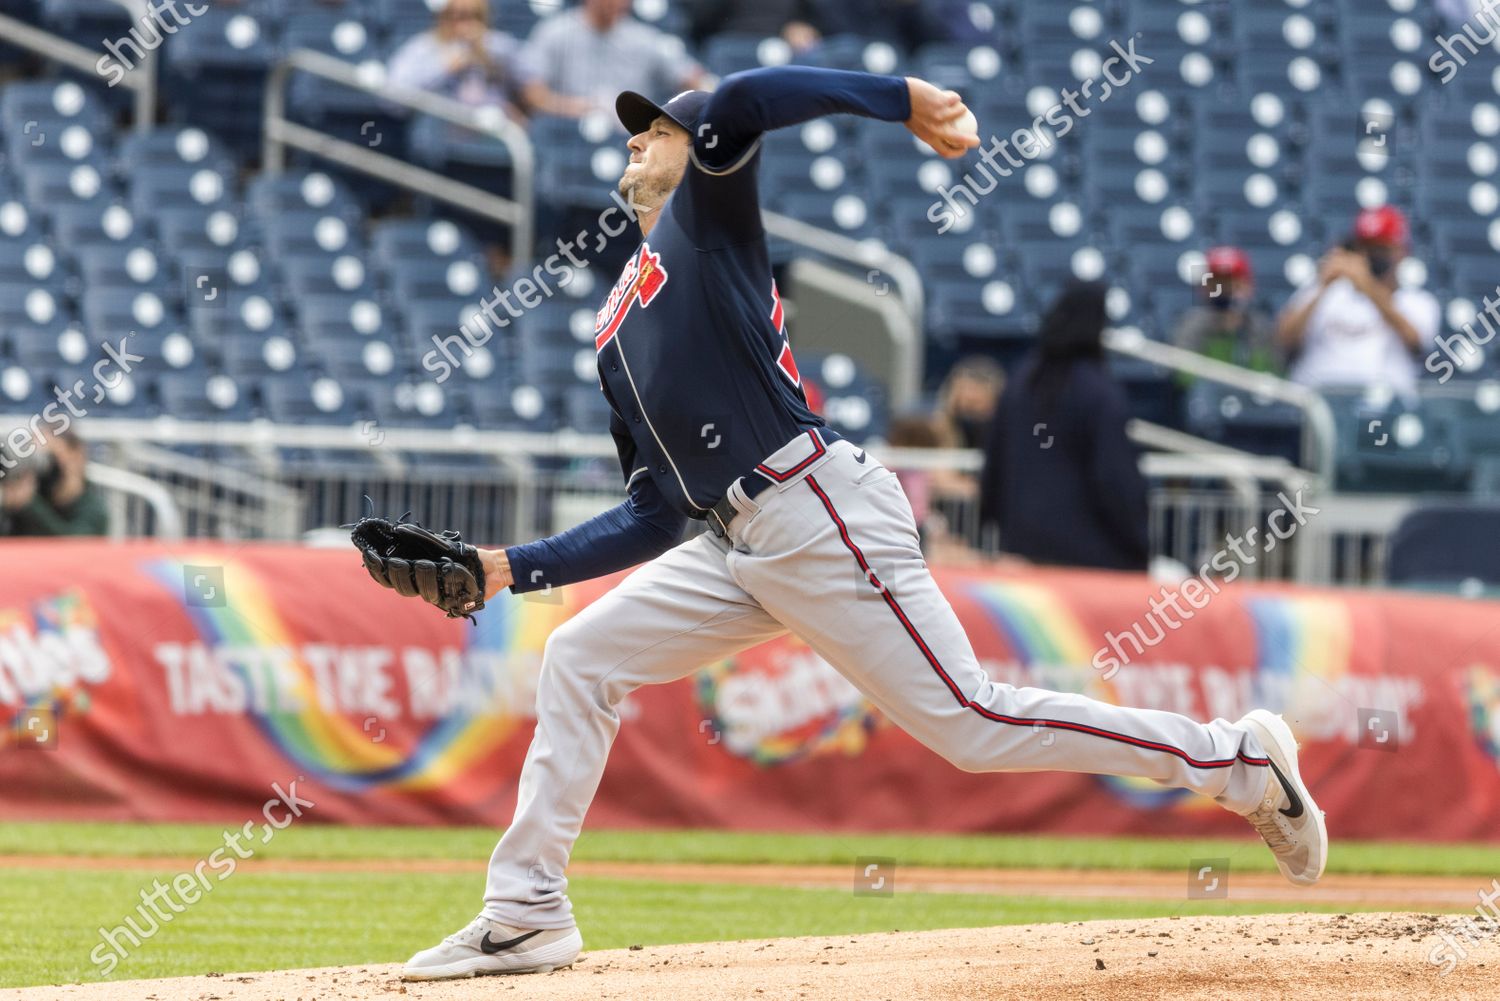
{"type": "Point", "coordinates": [1302, 956]}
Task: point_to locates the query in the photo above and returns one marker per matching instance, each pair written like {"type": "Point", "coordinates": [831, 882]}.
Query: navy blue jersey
{"type": "Point", "coordinates": [693, 350]}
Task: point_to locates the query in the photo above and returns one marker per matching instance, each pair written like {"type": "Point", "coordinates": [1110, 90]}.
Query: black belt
{"type": "Point", "coordinates": [753, 483]}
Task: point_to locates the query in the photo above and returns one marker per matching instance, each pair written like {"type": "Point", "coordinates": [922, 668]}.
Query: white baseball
{"type": "Point", "coordinates": [965, 123]}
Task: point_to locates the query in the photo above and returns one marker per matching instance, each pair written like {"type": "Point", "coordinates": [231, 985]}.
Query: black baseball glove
{"type": "Point", "coordinates": [438, 567]}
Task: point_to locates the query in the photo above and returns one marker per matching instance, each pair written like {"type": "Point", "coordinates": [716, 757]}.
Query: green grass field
{"type": "Point", "coordinates": [267, 920]}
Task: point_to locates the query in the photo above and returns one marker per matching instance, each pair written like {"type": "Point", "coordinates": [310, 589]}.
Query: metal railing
{"type": "Point", "coordinates": [500, 487]}
{"type": "Point", "coordinates": [279, 132]}
{"type": "Point", "coordinates": [130, 498]}
{"type": "Point", "coordinates": [190, 496]}
{"type": "Point", "coordinates": [140, 78]}
{"type": "Point", "coordinates": [1319, 434]}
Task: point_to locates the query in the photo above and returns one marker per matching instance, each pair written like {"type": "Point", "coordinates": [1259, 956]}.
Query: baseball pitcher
{"type": "Point", "coordinates": [691, 335]}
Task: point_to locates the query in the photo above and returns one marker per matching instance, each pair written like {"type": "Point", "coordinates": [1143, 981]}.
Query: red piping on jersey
{"type": "Point", "coordinates": [963, 700]}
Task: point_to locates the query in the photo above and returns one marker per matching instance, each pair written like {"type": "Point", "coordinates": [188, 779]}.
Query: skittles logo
{"type": "Point", "coordinates": [49, 654]}
{"type": "Point", "coordinates": [780, 702]}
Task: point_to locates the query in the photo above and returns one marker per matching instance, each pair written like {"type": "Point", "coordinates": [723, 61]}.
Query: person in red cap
{"type": "Point", "coordinates": [1224, 324]}
{"type": "Point", "coordinates": [1353, 326]}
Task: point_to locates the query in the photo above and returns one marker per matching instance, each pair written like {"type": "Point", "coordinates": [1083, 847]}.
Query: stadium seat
{"type": "Point", "coordinates": [32, 262]}
{"type": "Point", "coordinates": [1446, 544]}
{"type": "Point", "coordinates": [302, 191]}
{"type": "Point", "coordinates": [323, 274]}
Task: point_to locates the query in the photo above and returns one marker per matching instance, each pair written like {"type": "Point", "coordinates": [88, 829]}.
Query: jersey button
{"type": "Point", "coordinates": [637, 418]}
{"type": "Point", "coordinates": [661, 469]}
{"type": "Point", "coordinates": [613, 367]}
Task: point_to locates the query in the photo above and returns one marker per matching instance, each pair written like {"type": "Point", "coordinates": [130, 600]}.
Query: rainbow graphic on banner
{"type": "Point", "coordinates": [1299, 642]}
{"type": "Point", "coordinates": [335, 749]}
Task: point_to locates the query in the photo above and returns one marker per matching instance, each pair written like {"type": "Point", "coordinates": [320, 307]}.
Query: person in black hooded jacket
{"type": "Point", "coordinates": [1061, 481]}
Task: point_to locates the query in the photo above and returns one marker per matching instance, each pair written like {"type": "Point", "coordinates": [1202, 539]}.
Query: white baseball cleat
{"type": "Point", "coordinates": [1287, 817]}
{"type": "Point", "coordinates": [485, 947]}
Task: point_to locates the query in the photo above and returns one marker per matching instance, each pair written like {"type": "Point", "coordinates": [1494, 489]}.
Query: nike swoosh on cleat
{"type": "Point", "coordinates": [860, 458]}
{"type": "Point", "coordinates": [1293, 811]}
{"type": "Point", "coordinates": [490, 948]}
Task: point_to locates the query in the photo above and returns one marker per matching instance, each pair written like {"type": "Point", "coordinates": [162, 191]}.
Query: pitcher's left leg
{"type": "Point", "coordinates": [848, 526]}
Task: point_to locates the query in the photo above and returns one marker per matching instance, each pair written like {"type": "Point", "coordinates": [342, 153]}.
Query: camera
{"type": "Point", "coordinates": [1380, 260]}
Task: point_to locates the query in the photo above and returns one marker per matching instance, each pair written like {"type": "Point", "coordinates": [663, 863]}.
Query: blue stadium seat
{"type": "Point", "coordinates": [302, 191]}
{"type": "Point", "coordinates": [42, 350]}
{"type": "Point", "coordinates": [321, 274]}
{"type": "Point", "coordinates": [1242, 420]}
{"type": "Point", "coordinates": [197, 230]}
{"type": "Point", "coordinates": [258, 355]}
{"type": "Point", "coordinates": [305, 398]}
{"type": "Point", "coordinates": [49, 104]}
{"type": "Point", "coordinates": [519, 407]}
{"type": "Point", "coordinates": [1388, 446]}
{"type": "Point", "coordinates": [162, 186]}
{"type": "Point", "coordinates": [369, 361]}
{"type": "Point", "coordinates": [729, 53]}
{"type": "Point", "coordinates": [32, 261]}
{"type": "Point", "coordinates": [423, 278]}
{"type": "Point", "coordinates": [344, 317]}
{"type": "Point", "coordinates": [174, 145]}
{"type": "Point", "coordinates": [24, 304]}
{"type": "Point", "coordinates": [108, 312]}
{"type": "Point", "coordinates": [1446, 544]}
{"type": "Point", "coordinates": [48, 188]}
{"type": "Point", "coordinates": [128, 265]}
{"type": "Point", "coordinates": [223, 62]}
{"type": "Point", "coordinates": [200, 397]}
{"type": "Point", "coordinates": [397, 240]}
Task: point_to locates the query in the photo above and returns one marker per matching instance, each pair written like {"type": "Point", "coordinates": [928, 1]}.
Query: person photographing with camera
{"type": "Point", "coordinates": [49, 493]}
{"type": "Point", "coordinates": [1353, 326]}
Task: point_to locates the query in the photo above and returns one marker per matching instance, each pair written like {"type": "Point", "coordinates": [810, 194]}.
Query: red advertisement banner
{"type": "Point", "coordinates": [178, 683]}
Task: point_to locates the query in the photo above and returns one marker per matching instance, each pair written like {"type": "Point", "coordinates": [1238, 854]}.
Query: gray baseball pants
{"type": "Point", "coordinates": [831, 554]}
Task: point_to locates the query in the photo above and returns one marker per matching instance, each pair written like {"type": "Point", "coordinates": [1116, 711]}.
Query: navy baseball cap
{"type": "Point", "coordinates": [637, 113]}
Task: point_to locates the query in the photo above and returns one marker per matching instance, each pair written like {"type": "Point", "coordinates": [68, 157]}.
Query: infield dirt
{"type": "Point", "coordinates": [1304, 956]}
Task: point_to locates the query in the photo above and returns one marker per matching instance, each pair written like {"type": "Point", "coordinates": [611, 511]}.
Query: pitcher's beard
{"type": "Point", "coordinates": [638, 194]}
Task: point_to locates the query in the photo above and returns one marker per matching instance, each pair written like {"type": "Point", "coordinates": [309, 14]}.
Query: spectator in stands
{"type": "Point", "coordinates": [583, 57]}
{"type": "Point", "coordinates": [462, 57]}
{"type": "Point", "coordinates": [797, 22]}
{"type": "Point", "coordinates": [966, 402]}
{"type": "Point", "coordinates": [1352, 326]}
{"type": "Point", "coordinates": [1225, 325]}
{"type": "Point", "coordinates": [1061, 481]}
{"type": "Point", "coordinates": [50, 494]}
{"type": "Point", "coordinates": [966, 407]}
